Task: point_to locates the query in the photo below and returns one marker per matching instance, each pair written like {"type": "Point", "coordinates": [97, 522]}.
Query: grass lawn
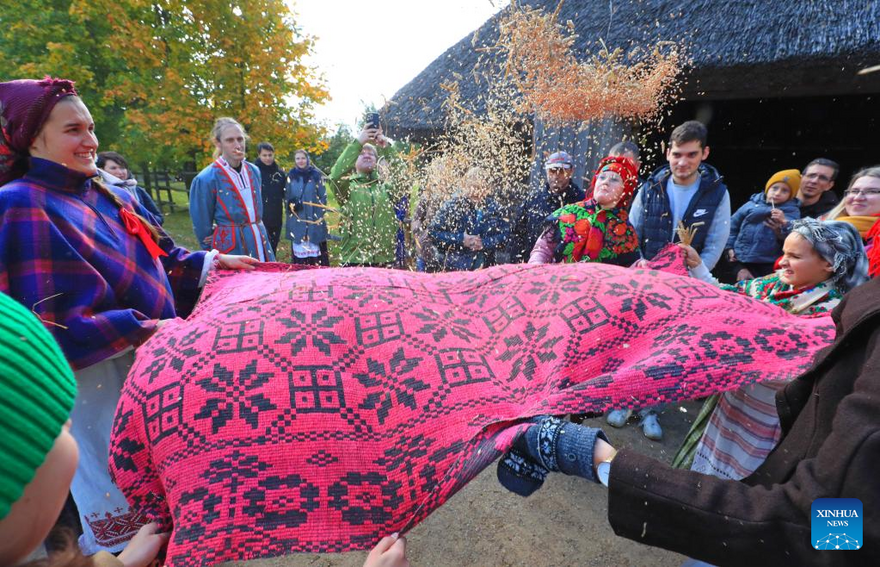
{"type": "Point", "coordinates": [179, 225]}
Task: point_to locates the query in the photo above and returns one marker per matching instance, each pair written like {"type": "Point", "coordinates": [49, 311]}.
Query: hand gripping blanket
{"type": "Point", "coordinates": [318, 410]}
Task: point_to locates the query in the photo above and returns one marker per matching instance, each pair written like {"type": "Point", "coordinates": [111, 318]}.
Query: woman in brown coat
{"type": "Point", "coordinates": [830, 418]}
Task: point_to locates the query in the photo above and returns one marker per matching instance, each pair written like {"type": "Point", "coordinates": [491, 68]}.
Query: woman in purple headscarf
{"type": "Point", "coordinates": [82, 257]}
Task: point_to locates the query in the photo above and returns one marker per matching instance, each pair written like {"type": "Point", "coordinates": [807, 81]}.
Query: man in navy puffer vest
{"type": "Point", "coordinates": [686, 190]}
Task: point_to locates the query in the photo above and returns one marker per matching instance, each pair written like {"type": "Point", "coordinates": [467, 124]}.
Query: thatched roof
{"type": "Point", "coordinates": [739, 48]}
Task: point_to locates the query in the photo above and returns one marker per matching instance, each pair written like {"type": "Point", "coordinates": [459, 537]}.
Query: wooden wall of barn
{"type": "Point", "coordinates": [587, 142]}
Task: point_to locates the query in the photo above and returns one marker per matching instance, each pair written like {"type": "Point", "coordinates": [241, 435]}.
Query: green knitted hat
{"type": "Point", "coordinates": [37, 390]}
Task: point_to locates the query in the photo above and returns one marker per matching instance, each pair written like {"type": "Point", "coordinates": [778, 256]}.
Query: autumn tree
{"type": "Point", "coordinates": [160, 71]}
{"type": "Point", "coordinates": [335, 145]}
{"type": "Point", "coordinates": [53, 37]}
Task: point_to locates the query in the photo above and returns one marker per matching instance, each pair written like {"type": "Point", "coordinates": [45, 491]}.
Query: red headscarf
{"type": "Point", "coordinates": [873, 238]}
{"type": "Point", "coordinates": [25, 106]}
{"type": "Point", "coordinates": [626, 168]}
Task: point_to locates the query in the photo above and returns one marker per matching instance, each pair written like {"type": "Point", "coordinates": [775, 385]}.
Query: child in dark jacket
{"type": "Point", "coordinates": [754, 243]}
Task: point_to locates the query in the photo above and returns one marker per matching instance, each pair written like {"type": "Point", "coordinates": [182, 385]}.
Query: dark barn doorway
{"type": "Point", "coordinates": [752, 139]}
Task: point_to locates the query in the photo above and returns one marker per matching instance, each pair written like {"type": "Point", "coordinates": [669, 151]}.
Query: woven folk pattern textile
{"type": "Point", "coordinates": [113, 530]}
{"type": "Point", "coordinates": [318, 410]}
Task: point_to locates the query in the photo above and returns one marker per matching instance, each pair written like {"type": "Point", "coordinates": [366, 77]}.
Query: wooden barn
{"type": "Point", "coordinates": [778, 82]}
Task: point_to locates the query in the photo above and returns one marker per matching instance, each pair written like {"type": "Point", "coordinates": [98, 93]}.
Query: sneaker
{"type": "Point", "coordinates": [618, 417]}
{"type": "Point", "coordinates": [651, 427]}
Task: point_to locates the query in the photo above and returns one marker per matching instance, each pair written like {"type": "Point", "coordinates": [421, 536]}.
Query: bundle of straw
{"type": "Point", "coordinates": [685, 234]}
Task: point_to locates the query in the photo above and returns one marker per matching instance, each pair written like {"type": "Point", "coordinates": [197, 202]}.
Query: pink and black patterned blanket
{"type": "Point", "coordinates": [321, 409]}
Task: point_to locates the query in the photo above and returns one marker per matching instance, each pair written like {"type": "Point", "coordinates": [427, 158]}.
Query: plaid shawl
{"type": "Point", "coordinates": [65, 254]}
{"type": "Point", "coordinates": [318, 410]}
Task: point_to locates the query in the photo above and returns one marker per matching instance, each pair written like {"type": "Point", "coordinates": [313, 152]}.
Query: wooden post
{"type": "Point", "coordinates": [148, 182]}
{"type": "Point", "coordinates": [166, 187]}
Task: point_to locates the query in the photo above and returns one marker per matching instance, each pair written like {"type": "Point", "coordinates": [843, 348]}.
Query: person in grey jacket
{"type": "Point", "coordinates": [755, 241]}
{"type": "Point", "coordinates": [306, 198]}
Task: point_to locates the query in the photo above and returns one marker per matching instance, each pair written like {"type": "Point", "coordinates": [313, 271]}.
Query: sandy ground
{"type": "Point", "coordinates": [564, 523]}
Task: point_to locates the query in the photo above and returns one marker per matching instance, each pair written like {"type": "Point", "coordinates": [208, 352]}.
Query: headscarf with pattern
{"type": "Point", "coordinates": [25, 106]}
{"type": "Point", "coordinates": [626, 169]}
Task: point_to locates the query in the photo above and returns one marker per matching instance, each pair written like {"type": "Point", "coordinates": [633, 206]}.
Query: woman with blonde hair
{"type": "Point", "coordinates": [306, 198]}
{"type": "Point", "coordinates": [225, 201]}
{"type": "Point", "coordinates": [860, 207]}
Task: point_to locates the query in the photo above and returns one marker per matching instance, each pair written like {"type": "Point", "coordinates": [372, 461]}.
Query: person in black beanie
{"type": "Point", "coordinates": [274, 180]}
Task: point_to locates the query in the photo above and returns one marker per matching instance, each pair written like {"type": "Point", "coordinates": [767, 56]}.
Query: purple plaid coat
{"type": "Point", "coordinates": [65, 254]}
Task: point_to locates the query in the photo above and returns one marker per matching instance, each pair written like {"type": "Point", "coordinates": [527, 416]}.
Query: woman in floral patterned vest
{"type": "Point", "coordinates": [597, 229]}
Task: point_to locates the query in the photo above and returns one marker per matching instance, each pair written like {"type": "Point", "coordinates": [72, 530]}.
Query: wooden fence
{"type": "Point", "coordinates": [161, 184]}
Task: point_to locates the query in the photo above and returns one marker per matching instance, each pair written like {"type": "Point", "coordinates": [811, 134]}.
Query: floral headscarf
{"type": "Point", "coordinates": [626, 169]}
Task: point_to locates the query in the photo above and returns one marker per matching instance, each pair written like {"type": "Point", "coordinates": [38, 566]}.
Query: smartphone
{"type": "Point", "coordinates": [371, 120]}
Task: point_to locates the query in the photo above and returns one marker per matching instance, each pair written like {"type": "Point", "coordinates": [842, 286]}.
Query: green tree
{"type": "Point", "coordinates": [156, 73]}
{"type": "Point", "coordinates": [334, 146]}
{"type": "Point", "coordinates": [55, 37]}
